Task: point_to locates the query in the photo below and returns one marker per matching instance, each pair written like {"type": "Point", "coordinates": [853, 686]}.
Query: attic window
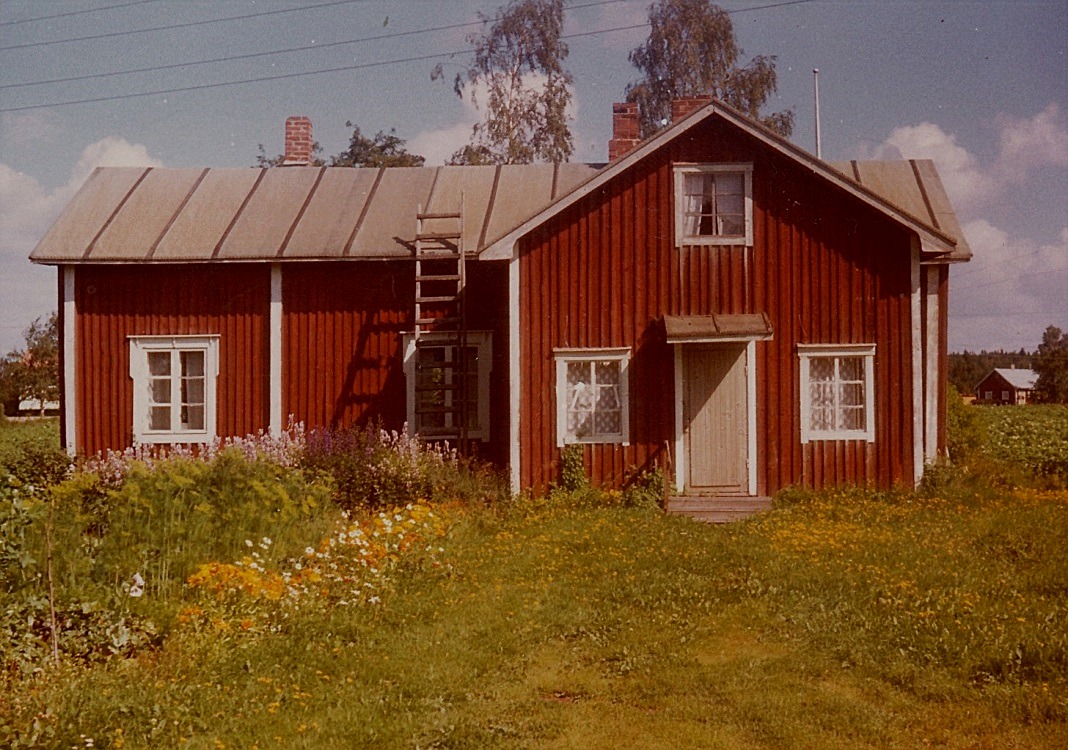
{"type": "Point", "coordinates": [174, 388]}
{"type": "Point", "coordinates": [714, 204]}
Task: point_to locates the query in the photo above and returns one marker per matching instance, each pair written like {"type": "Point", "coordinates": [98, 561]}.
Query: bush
{"type": "Point", "coordinates": [167, 518]}
{"type": "Point", "coordinates": [31, 453]}
{"type": "Point", "coordinates": [375, 468]}
{"type": "Point", "coordinates": [965, 432]}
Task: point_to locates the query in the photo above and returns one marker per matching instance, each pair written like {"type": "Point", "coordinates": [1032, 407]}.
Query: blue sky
{"type": "Point", "coordinates": [980, 87]}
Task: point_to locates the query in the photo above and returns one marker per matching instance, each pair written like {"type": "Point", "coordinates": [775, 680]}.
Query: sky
{"type": "Point", "coordinates": [980, 87]}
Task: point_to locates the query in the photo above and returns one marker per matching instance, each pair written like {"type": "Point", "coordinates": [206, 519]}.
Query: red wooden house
{"type": "Point", "coordinates": [1006, 386]}
{"type": "Point", "coordinates": [714, 300]}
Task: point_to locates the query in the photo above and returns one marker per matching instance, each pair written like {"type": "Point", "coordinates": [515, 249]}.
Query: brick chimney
{"type": "Point", "coordinates": [687, 104]}
{"type": "Point", "coordinates": [625, 130]}
{"type": "Point", "coordinates": [298, 142]}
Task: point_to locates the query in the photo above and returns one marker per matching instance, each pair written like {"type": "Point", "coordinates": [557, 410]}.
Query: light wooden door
{"type": "Point", "coordinates": [715, 413]}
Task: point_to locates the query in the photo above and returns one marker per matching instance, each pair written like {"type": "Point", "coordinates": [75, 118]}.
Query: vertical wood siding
{"type": "Point", "coordinates": [342, 343]}
{"type": "Point", "coordinates": [825, 267]}
{"type": "Point", "coordinates": [115, 302]}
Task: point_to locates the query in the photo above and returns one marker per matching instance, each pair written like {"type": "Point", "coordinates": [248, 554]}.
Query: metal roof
{"type": "Point", "coordinates": [136, 214]}
{"type": "Point", "coordinates": [698, 329]}
{"type": "Point", "coordinates": [915, 187]}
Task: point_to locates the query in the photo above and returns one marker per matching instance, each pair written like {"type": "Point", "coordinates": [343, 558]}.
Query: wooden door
{"type": "Point", "coordinates": [715, 414]}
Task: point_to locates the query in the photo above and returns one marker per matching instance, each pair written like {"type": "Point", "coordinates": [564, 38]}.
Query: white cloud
{"type": "Point", "coordinates": [1027, 144]}
{"type": "Point", "coordinates": [966, 184]}
{"type": "Point", "coordinates": [1010, 291]}
{"type": "Point", "coordinates": [1015, 284]}
{"type": "Point", "coordinates": [27, 209]}
{"type": "Point", "coordinates": [440, 144]}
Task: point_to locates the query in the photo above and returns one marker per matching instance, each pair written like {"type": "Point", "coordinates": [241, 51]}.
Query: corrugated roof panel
{"type": "Point", "coordinates": [471, 185]}
{"type": "Point", "coordinates": [271, 212]}
{"type": "Point", "coordinates": [1018, 378]}
{"type": "Point", "coordinates": [86, 214]}
{"type": "Point", "coordinates": [896, 182]}
{"type": "Point", "coordinates": [145, 215]}
{"type": "Point", "coordinates": [324, 229]}
{"type": "Point", "coordinates": [942, 208]}
{"type": "Point", "coordinates": [522, 191]}
{"type": "Point", "coordinates": [570, 176]}
{"type": "Point", "coordinates": [210, 209]}
{"type": "Point", "coordinates": [389, 225]}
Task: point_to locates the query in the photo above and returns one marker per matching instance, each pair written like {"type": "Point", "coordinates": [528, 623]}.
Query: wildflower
{"type": "Point", "coordinates": [137, 586]}
{"type": "Point", "coordinates": [248, 542]}
{"type": "Point", "coordinates": [309, 551]}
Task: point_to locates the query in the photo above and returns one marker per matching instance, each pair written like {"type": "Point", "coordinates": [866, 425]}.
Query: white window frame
{"type": "Point", "coordinates": [140, 346]}
{"type": "Point", "coordinates": [483, 342]}
{"type": "Point", "coordinates": [808, 352]}
{"type": "Point", "coordinates": [681, 237]}
{"type": "Point", "coordinates": [563, 358]}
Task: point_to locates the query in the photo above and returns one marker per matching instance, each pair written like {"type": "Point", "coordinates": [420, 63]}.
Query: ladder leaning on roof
{"type": "Point", "coordinates": [442, 360]}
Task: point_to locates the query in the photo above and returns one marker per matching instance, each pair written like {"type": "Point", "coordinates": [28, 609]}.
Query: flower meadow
{"type": "Point", "coordinates": [245, 596]}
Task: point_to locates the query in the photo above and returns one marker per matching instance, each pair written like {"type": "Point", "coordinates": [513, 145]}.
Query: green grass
{"type": "Point", "coordinates": [841, 619]}
{"type": "Point", "coordinates": [836, 621]}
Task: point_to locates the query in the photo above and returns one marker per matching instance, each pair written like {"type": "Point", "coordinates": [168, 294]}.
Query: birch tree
{"type": "Point", "coordinates": [519, 81]}
{"type": "Point", "coordinates": [692, 51]}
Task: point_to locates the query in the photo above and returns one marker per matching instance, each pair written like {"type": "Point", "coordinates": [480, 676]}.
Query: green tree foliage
{"type": "Point", "coordinates": [692, 51]}
{"type": "Point", "coordinates": [383, 150]}
{"type": "Point", "coordinates": [519, 70]}
{"type": "Point", "coordinates": [32, 372]}
{"type": "Point", "coordinates": [1051, 364]}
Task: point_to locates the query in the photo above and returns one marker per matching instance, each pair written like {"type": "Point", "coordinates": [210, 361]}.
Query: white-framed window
{"type": "Point", "coordinates": [837, 392]}
{"type": "Point", "coordinates": [432, 374]}
{"type": "Point", "coordinates": [174, 382]}
{"type": "Point", "coordinates": [713, 204]}
{"type": "Point", "coordinates": [989, 396]}
{"type": "Point", "coordinates": [1004, 395]}
{"type": "Point", "coordinates": [592, 399]}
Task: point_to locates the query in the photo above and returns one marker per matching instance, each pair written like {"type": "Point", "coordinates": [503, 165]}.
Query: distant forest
{"type": "Point", "coordinates": [967, 369]}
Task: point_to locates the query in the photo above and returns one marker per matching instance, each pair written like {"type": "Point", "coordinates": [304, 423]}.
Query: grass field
{"type": "Point", "coordinates": [839, 620]}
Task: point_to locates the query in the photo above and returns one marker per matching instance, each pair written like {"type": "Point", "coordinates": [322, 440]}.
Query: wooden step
{"type": "Point", "coordinates": [717, 509]}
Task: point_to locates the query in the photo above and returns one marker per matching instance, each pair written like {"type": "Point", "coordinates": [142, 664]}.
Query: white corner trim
{"type": "Point", "coordinates": [275, 374]}
{"type": "Point", "coordinates": [514, 376]}
{"type": "Point", "coordinates": [680, 436]}
{"type": "Point", "coordinates": [70, 381]}
{"type": "Point", "coordinates": [933, 349]}
{"type": "Point", "coordinates": [917, 365]}
{"type": "Point", "coordinates": [750, 398]}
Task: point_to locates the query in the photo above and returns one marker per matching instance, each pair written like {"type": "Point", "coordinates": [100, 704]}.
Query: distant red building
{"type": "Point", "coordinates": [1006, 386]}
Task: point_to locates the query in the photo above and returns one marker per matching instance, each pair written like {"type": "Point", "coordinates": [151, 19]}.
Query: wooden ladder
{"type": "Point", "coordinates": [441, 351]}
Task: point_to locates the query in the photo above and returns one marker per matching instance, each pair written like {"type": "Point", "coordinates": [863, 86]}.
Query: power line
{"type": "Point", "coordinates": [247, 56]}
{"type": "Point", "coordinates": [75, 13]}
{"type": "Point", "coordinates": [305, 48]}
{"type": "Point", "coordinates": [346, 68]}
{"type": "Point", "coordinates": [200, 87]}
{"type": "Point", "coordinates": [184, 25]}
